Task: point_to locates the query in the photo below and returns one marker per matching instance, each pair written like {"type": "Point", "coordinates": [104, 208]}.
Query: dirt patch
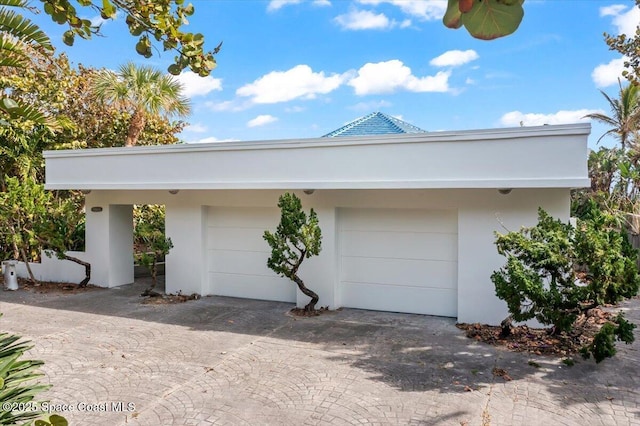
{"type": "Point", "coordinates": [154, 298]}
{"type": "Point", "coordinates": [47, 287]}
{"type": "Point", "coordinates": [300, 312]}
{"type": "Point", "coordinates": [538, 340]}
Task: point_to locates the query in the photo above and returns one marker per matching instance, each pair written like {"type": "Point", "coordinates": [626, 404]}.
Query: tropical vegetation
{"type": "Point", "coordinates": [297, 237]}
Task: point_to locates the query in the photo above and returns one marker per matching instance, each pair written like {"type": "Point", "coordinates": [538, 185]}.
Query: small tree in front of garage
{"type": "Point", "coordinates": [297, 237]}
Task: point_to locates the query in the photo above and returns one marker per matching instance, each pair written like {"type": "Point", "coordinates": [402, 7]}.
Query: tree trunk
{"type": "Point", "coordinates": [26, 263]}
{"type": "Point", "coordinates": [19, 251]}
{"type": "Point", "coordinates": [506, 326]}
{"type": "Point", "coordinates": [136, 125]}
{"type": "Point", "coordinates": [87, 269]}
{"type": "Point", "coordinates": [154, 274]}
{"type": "Point", "coordinates": [311, 306]}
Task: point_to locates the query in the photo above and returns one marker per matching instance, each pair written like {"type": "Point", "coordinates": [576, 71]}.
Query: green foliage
{"type": "Point", "coordinates": [159, 20]}
{"type": "Point", "coordinates": [33, 220]}
{"type": "Point", "coordinates": [17, 386]}
{"type": "Point", "coordinates": [603, 345]}
{"type": "Point", "coordinates": [150, 243]}
{"type": "Point", "coordinates": [142, 92]}
{"type": "Point", "coordinates": [20, 42]}
{"type": "Point", "coordinates": [629, 47]}
{"type": "Point", "coordinates": [23, 213]}
{"type": "Point", "coordinates": [485, 19]}
{"type": "Point", "coordinates": [539, 280]}
{"type": "Point", "coordinates": [297, 237]}
{"type": "Point", "coordinates": [605, 250]}
{"type": "Point", "coordinates": [52, 420]}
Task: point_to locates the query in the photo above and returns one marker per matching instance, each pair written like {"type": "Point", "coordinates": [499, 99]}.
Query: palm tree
{"type": "Point", "coordinates": [625, 113]}
{"type": "Point", "coordinates": [20, 40]}
{"type": "Point", "coordinates": [141, 91]}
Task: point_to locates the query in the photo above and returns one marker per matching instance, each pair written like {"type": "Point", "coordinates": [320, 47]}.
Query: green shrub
{"type": "Point", "coordinates": [540, 280]}
{"type": "Point", "coordinates": [297, 237]}
{"type": "Point", "coordinates": [17, 384]}
{"type": "Point", "coordinates": [603, 345]}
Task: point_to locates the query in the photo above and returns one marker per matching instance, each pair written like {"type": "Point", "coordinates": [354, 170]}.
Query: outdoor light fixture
{"type": "Point", "coordinates": [85, 191]}
{"type": "Point", "coordinates": [504, 191]}
{"type": "Point", "coordinates": [308, 191]}
{"type": "Point", "coordinates": [174, 191]}
{"type": "Point", "coordinates": [96, 209]}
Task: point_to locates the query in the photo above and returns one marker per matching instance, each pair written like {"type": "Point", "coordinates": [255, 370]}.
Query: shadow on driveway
{"type": "Point", "coordinates": [445, 377]}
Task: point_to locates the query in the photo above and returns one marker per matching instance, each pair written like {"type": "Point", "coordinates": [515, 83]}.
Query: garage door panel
{"type": "Point", "coordinates": [400, 272]}
{"type": "Point", "coordinates": [399, 260]}
{"type": "Point", "coordinates": [253, 286]}
{"type": "Point", "coordinates": [242, 262]}
{"type": "Point", "coordinates": [399, 245]}
{"type": "Point", "coordinates": [414, 300]}
{"type": "Point", "coordinates": [237, 254]}
{"type": "Point", "coordinates": [249, 239]}
{"type": "Point", "coordinates": [241, 217]}
{"type": "Point", "coordinates": [412, 220]}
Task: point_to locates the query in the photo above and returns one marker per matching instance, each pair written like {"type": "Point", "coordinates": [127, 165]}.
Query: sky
{"type": "Point", "coordinates": [292, 69]}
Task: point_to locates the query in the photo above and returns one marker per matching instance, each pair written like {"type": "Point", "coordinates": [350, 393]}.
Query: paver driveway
{"type": "Point", "coordinates": [233, 361]}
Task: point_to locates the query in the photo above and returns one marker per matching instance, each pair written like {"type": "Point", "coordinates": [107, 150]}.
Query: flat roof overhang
{"type": "Point", "coordinates": [524, 157]}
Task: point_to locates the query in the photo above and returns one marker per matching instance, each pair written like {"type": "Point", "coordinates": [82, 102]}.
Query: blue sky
{"type": "Point", "coordinates": [302, 68]}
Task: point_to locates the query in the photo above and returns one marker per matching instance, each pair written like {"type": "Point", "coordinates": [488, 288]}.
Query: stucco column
{"type": "Point", "coordinates": [185, 265]}
{"type": "Point", "coordinates": [109, 242]}
{"type": "Point", "coordinates": [320, 273]}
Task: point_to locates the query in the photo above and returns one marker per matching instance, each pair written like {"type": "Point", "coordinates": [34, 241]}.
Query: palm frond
{"type": "Point", "coordinates": [23, 29]}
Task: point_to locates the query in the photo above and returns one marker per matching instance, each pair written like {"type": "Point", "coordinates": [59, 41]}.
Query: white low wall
{"type": "Point", "coordinates": [54, 269]}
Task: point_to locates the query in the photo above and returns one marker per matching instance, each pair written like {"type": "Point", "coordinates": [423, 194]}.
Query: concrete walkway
{"type": "Point", "coordinates": [233, 361]}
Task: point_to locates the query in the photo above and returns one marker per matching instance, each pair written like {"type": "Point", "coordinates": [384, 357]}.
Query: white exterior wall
{"type": "Point", "coordinates": [456, 171]}
{"type": "Point", "coordinates": [480, 213]}
{"type": "Point", "coordinates": [54, 269]}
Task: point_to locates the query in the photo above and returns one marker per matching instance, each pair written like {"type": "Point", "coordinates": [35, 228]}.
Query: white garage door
{"type": "Point", "coordinates": [399, 260]}
{"type": "Point", "coordinates": [237, 254]}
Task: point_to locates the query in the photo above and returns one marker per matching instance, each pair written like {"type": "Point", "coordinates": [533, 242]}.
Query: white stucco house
{"type": "Point", "coordinates": [408, 220]}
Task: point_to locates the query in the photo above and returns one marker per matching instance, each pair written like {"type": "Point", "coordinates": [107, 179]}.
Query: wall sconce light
{"type": "Point", "coordinates": [504, 191]}
{"type": "Point", "coordinates": [174, 191]}
{"type": "Point", "coordinates": [96, 209]}
{"type": "Point", "coordinates": [85, 191]}
{"type": "Point", "coordinates": [308, 191]}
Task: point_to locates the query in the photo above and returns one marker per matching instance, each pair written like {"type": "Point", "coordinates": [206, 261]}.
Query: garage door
{"type": "Point", "coordinates": [399, 260]}
{"type": "Point", "coordinates": [237, 254]}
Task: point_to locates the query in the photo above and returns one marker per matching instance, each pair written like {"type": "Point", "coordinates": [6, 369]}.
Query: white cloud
{"type": "Point", "coordinates": [516, 118]}
{"type": "Point", "coordinates": [454, 58]}
{"type": "Point", "coordinates": [196, 128]}
{"type": "Point", "coordinates": [233, 105]}
{"type": "Point", "coordinates": [370, 106]}
{"type": "Point", "coordinates": [608, 74]}
{"type": "Point", "coordinates": [387, 77]}
{"type": "Point", "coordinates": [277, 4]}
{"type": "Point", "coordinates": [294, 109]}
{"type": "Point", "coordinates": [194, 85]}
{"type": "Point", "coordinates": [210, 139]}
{"type": "Point", "coordinates": [98, 20]}
{"type": "Point", "coordinates": [321, 3]}
{"type": "Point", "coordinates": [426, 10]}
{"type": "Point", "coordinates": [298, 82]}
{"type": "Point", "coordinates": [625, 22]}
{"type": "Point", "coordinates": [363, 20]}
{"type": "Point", "coordinates": [261, 120]}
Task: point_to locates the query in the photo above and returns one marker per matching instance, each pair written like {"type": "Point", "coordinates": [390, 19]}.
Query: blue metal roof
{"type": "Point", "coordinates": [375, 123]}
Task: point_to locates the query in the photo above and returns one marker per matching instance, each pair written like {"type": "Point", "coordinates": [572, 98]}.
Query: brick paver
{"type": "Point", "coordinates": [232, 361]}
